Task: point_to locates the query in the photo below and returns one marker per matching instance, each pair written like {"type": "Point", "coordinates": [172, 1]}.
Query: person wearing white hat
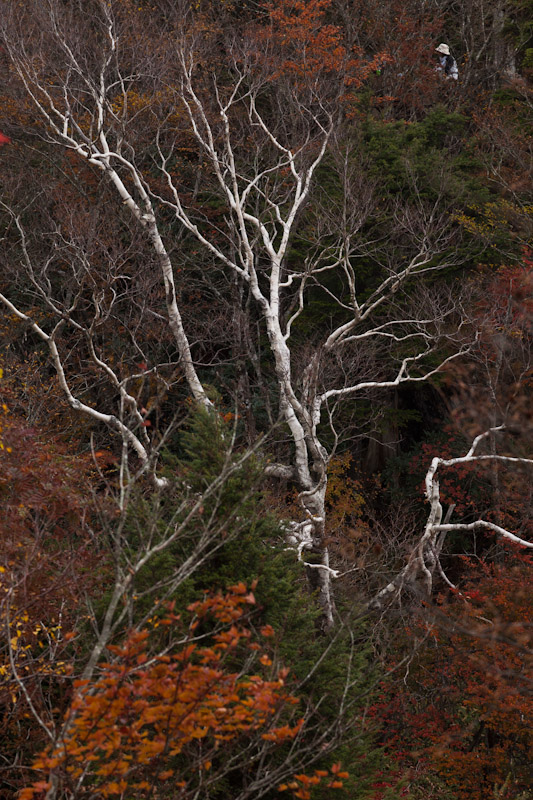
{"type": "Point", "coordinates": [448, 64]}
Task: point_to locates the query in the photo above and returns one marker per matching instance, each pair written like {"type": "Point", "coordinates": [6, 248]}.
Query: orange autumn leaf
{"type": "Point", "coordinates": [143, 709]}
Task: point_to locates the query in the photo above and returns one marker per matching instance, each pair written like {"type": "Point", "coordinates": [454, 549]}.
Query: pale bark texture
{"type": "Point", "coordinates": [260, 123]}
{"type": "Point", "coordinates": [424, 565]}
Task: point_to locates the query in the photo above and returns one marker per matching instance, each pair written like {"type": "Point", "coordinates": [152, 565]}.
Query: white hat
{"type": "Point", "coordinates": [443, 48]}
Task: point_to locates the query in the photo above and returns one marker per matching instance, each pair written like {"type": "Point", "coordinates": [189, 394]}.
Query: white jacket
{"type": "Point", "coordinates": [448, 65]}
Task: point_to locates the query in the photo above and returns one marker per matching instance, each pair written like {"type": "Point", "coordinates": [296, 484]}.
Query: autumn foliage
{"type": "Point", "coordinates": [281, 213]}
{"type": "Point", "coordinates": [50, 560]}
{"type": "Point", "coordinates": [170, 717]}
{"type": "Point", "coordinates": [310, 51]}
{"type": "Point", "coordinates": [463, 719]}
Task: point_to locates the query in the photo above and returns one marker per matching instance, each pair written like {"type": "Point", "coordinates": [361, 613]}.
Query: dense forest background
{"type": "Point", "coordinates": [266, 373]}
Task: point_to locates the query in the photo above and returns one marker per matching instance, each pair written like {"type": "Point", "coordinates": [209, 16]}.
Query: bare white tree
{"type": "Point", "coordinates": [424, 561]}
{"type": "Point", "coordinates": [260, 135]}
